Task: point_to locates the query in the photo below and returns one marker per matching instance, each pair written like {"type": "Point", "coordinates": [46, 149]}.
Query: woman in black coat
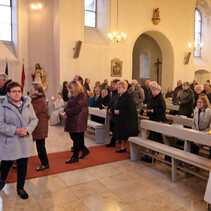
{"type": "Point", "coordinates": [126, 120]}
{"type": "Point", "coordinates": [156, 109]}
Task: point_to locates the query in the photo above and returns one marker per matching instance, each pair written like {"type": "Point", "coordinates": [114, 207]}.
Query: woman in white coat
{"type": "Point", "coordinates": [202, 121]}
{"type": "Point", "coordinates": [58, 107]}
{"type": "Point", "coordinates": [17, 122]}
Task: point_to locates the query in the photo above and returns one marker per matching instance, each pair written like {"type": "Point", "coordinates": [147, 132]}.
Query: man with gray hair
{"type": "Point", "coordinates": [4, 80]}
{"type": "Point", "coordinates": [186, 99]}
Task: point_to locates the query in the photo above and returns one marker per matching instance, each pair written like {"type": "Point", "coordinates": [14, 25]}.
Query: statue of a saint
{"type": "Point", "coordinates": [39, 76]}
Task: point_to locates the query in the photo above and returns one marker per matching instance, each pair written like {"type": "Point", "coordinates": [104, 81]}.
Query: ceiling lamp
{"type": "Point", "coordinates": [116, 37]}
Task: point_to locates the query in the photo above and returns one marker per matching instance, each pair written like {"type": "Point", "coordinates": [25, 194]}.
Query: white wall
{"type": "Point", "coordinates": [48, 37]}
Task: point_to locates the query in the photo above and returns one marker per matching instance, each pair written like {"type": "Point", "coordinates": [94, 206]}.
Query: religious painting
{"type": "Point", "coordinates": [116, 67]}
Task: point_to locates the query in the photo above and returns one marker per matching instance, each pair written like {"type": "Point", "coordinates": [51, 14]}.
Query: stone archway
{"type": "Point", "coordinates": [156, 45]}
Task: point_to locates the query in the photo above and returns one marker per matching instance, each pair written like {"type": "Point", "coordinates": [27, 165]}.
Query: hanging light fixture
{"type": "Point", "coordinates": [116, 37]}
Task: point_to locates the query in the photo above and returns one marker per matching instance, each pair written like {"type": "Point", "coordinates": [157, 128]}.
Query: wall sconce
{"type": "Point", "coordinates": [196, 49]}
{"type": "Point", "coordinates": [36, 5]}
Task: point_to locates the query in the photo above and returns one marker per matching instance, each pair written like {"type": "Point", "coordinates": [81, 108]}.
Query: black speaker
{"type": "Point", "coordinates": [77, 49]}
{"type": "Point", "coordinates": [187, 58]}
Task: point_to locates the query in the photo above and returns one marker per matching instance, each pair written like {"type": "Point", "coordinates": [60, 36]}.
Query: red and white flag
{"type": "Point", "coordinates": [23, 77]}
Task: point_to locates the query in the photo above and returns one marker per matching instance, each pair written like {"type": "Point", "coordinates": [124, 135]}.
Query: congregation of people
{"type": "Point", "coordinates": [25, 119]}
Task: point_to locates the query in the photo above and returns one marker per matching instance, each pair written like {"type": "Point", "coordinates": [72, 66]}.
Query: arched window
{"type": "Point", "coordinates": [5, 20]}
{"type": "Point", "coordinates": [144, 65]}
{"type": "Point", "coordinates": [90, 11]}
{"type": "Point", "coordinates": [197, 36]}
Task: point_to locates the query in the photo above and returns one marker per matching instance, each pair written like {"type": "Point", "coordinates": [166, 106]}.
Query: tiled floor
{"type": "Point", "coordinates": [118, 186]}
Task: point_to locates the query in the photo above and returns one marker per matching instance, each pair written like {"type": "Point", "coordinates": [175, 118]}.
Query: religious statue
{"type": "Point", "coordinates": [156, 16]}
{"type": "Point", "coordinates": [39, 76]}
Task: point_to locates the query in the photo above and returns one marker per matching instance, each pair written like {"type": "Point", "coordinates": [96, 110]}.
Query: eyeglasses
{"type": "Point", "coordinates": [199, 102]}
{"type": "Point", "coordinates": [16, 91]}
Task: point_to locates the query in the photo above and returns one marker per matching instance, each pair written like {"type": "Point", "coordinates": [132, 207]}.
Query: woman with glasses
{"type": "Point", "coordinates": [17, 122]}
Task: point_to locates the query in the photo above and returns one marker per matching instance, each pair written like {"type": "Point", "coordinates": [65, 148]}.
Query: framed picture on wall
{"type": "Point", "coordinates": [116, 67]}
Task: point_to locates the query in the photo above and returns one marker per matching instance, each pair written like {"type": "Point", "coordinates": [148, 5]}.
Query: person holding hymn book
{"type": "Point", "coordinates": [58, 106]}
{"type": "Point", "coordinates": [126, 123]}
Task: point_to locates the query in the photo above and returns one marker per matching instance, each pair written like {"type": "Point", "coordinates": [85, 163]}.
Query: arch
{"type": "Point", "coordinates": [167, 78]}
{"type": "Point", "coordinates": [202, 75]}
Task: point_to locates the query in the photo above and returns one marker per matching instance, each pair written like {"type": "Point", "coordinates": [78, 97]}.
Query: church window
{"type": "Point", "coordinates": [197, 36]}
{"type": "Point", "coordinates": [5, 20]}
{"type": "Point", "coordinates": [144, 65]}
{"type": "Point", "coordinates": [90, 11]}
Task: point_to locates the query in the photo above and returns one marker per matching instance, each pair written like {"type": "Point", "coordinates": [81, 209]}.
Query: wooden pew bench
{"type": "Point", "coordinates": [101, 130]}
{"type": "Point", "coordinates": [137, 144]}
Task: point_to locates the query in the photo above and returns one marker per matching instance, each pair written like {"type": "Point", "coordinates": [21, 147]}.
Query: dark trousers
{"type": "Point", "coordinates": [42, 154]}
{"type": "Point", "coordinates": [113, 139]}
{"type": "Point", "coordinates": [78, 143]}
{"type": "Point", "coordinates": [21, 174]}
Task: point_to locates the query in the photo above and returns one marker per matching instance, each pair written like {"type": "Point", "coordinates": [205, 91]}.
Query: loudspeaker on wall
{"type": "Point", "coordinates": [77, 49]}
{"type": "Point", "coordinates": [187, 58]}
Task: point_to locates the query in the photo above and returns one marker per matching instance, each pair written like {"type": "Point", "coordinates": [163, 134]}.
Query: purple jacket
{"type": "Point", "coordinates": [77, 113]}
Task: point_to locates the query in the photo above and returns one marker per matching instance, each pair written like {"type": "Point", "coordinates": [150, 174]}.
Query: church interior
{"type": "Point", "coordinates": [163, 40]}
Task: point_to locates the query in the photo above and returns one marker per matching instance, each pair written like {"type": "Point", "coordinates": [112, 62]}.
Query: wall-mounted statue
{"type": "Point", "coordinates": [156, 17]}
{"type": "Point", "coordinates": [39, 75]}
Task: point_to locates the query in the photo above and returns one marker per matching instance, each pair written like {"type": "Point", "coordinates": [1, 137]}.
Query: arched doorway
{"type": "Point", "coordinates": [202, 76]}
{"type": "Point", "coordinates": [153, 59]}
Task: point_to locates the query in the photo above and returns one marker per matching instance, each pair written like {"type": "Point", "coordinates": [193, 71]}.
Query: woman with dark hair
{"type": "Point", "coordinates": [65, 91]}
{"type": "Point", "coordinates": [17, 122]}
{"type": "Point", "coordinates": [76, 115]}
{"type": "Point", "coordinates": [41, 131]}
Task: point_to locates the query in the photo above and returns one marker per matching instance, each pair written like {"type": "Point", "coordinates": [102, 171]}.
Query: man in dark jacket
{"type": "Point", "coordinates": [111, 105]}
{"type": "Point", "coordinates": [146, 89]}
{"type": "Point", "coordinates": [186, 100]}
{"type": "Point", "coordinates": [179, 87]}
{"type": "Point", "coordinates": [4, 80]}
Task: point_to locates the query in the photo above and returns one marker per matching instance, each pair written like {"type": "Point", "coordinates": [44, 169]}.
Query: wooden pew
{"type": "Point", "coordinates": [183, 120]}
{"type": "Point", "coordinates": [101, 130]}
{"type": "Point", "coordinates": [177, 155]}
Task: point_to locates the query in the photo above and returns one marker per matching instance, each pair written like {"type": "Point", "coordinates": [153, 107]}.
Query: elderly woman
{"type": "Point", "coordinates": [76, 119]}
{"type": "Point", "coordinates": [186, 100]}
{"type": "Point", "coordinates": [137, 93]}
{"type": "Point", "coordinates": [17, 122]}
{"type": "Point", "coordinates": [41, 131]}
{"type": "Point", "coordinates": [156, 110]}
{"type": "Point", "coordinates": [202, 122]}
{"type": "Point", "coordinates": [105, 99]}
{"type": "Point", "coordinates": [198, 90]}
{"type": "Point", "coordinates": [58, 106]}
{"type": "Point", "coordinates": [127, 117]}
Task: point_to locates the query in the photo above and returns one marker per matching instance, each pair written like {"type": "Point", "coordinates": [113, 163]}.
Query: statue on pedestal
{"type": "Point", "coordinates": [156, 16]}
{"type": "Point", "coordinates": [39, 75]}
